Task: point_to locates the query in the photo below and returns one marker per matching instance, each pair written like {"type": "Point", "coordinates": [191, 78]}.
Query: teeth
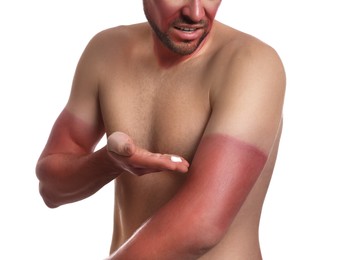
{"type": "Point", "coordinates": [186, 29]}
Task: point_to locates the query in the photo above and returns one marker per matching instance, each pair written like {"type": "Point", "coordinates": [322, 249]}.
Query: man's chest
{"type": "Point", "coordinates": [167, 115]}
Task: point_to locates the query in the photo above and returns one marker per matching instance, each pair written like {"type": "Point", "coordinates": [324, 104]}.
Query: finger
{"type": "Point", "coordinates": [121, 144]}
{"type": "Point", "coordinates": [179, 159]}
{"type": "Point", "coordinates": [144, 171]}
{"type": "Point", "coordinates": [160, 162]}
{"type": "Point", "coordinates": [179, 163]}
{"type": "Point", "coordinates": [181, 168]}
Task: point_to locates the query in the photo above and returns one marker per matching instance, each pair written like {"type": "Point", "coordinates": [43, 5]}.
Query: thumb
{"type": "Point", "coordinates": [121, 144]}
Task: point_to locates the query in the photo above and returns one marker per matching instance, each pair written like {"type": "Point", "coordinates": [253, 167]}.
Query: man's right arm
{"type": "Point", "coordinates": [68, 168]}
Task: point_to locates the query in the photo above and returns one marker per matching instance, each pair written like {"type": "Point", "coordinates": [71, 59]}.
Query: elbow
{"type": "Point", "coordinates": [205, 236]}
{"type": "Point", "coordinates": [48, 197]}
{"type": "Point", "coordinates": [47, 189]}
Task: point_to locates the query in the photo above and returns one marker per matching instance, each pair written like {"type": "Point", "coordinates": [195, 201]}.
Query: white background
{"type": "Point", "coordinates": [40, 44]}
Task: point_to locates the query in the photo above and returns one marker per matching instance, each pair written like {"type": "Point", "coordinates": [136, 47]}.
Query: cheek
{"type": "Point", "coordinates": [167, 14]}
{"type": "Point", "coordinates": [212, 9]}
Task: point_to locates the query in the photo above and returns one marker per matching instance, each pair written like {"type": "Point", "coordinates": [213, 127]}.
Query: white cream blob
{"type": "Point", "coordinates": [175, 159]}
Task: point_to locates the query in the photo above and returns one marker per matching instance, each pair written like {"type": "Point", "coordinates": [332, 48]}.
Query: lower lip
{"type": "Point", "coordinates": [188, 35]}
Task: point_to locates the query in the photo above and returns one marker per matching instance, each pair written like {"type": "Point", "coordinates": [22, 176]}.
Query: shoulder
{"type": "Point", "coordinates": [116, 40]}
{"type": "Point", "coordinates": [245, 61]}
{"type": "Point", "coordinates": [237, 46]}
{"type": "Point", "coordinates": [121, 36]}
{"type": "Point", "coordinates": [247, 97]}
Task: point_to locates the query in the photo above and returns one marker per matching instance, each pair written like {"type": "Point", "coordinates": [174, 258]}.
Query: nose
{"type": "Point", "coordinates": [194, 9]}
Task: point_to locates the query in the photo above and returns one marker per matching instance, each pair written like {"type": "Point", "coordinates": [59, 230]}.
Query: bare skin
{"type": "Point", "coordinates": [219, 108]}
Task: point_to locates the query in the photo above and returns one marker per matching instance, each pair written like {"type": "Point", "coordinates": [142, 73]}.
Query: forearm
{"type": "Point", "coordinates": [66, 178]}
{"type": "Point", "coordinates": [183, 229]}
{"type": "Point", "coordinates": [157, 239]}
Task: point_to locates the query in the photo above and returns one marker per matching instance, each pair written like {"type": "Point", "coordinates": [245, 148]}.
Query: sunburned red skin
{"type": "Point", "coordinates": [69, 170]}
{"type": "Point", "coordinates": [70, 134]}
{"type": "Point", "coordinates": [232, 167]}
{"type": "Point", "coordinates": [221, 176]}
{"type": "Point", "coordinates": [64, 167]}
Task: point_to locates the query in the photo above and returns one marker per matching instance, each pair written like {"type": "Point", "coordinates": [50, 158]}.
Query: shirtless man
{"type": "Point", "coordinates": [182, 84]}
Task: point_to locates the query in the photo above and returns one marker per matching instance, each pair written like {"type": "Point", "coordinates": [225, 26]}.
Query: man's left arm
{"type": "Point", "coordinates": [245, 119]}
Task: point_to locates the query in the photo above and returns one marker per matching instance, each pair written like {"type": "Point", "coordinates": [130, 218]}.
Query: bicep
{"type": "Point", "coordinates": [79, 126]}
{"type": "Point", "coordinates": [72, 135]}
{"type": "Point", "coordinates": [222, 173]}
{"type": "Point", "coordinates": [248, 104]}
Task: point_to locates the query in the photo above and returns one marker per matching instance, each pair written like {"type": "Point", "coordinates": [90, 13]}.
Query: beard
{"type": "Point", "coordinates": [184, 47]}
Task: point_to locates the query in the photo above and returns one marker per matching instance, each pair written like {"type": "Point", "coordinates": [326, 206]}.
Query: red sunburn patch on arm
{"type": "Point", "coordinates": [225, 169]}
{"type": "Point", "coordinates": [70, 134]}
{"type": "Point", "coordinates": [223, 155]}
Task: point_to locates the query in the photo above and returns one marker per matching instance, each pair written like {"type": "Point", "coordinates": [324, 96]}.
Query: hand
{"type": "Point", "coordinates": [139, 161]}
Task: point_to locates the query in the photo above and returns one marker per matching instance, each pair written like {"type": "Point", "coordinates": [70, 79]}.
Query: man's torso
{"type": "Point", "coordinates": [166, 110]}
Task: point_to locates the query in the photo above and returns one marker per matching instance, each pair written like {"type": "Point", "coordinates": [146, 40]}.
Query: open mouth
{"type": "Point", "coordinates": [186, 29]}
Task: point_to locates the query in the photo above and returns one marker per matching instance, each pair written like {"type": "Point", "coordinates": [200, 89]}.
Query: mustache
{"type": "Point", "coordinates": [188, 21]}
